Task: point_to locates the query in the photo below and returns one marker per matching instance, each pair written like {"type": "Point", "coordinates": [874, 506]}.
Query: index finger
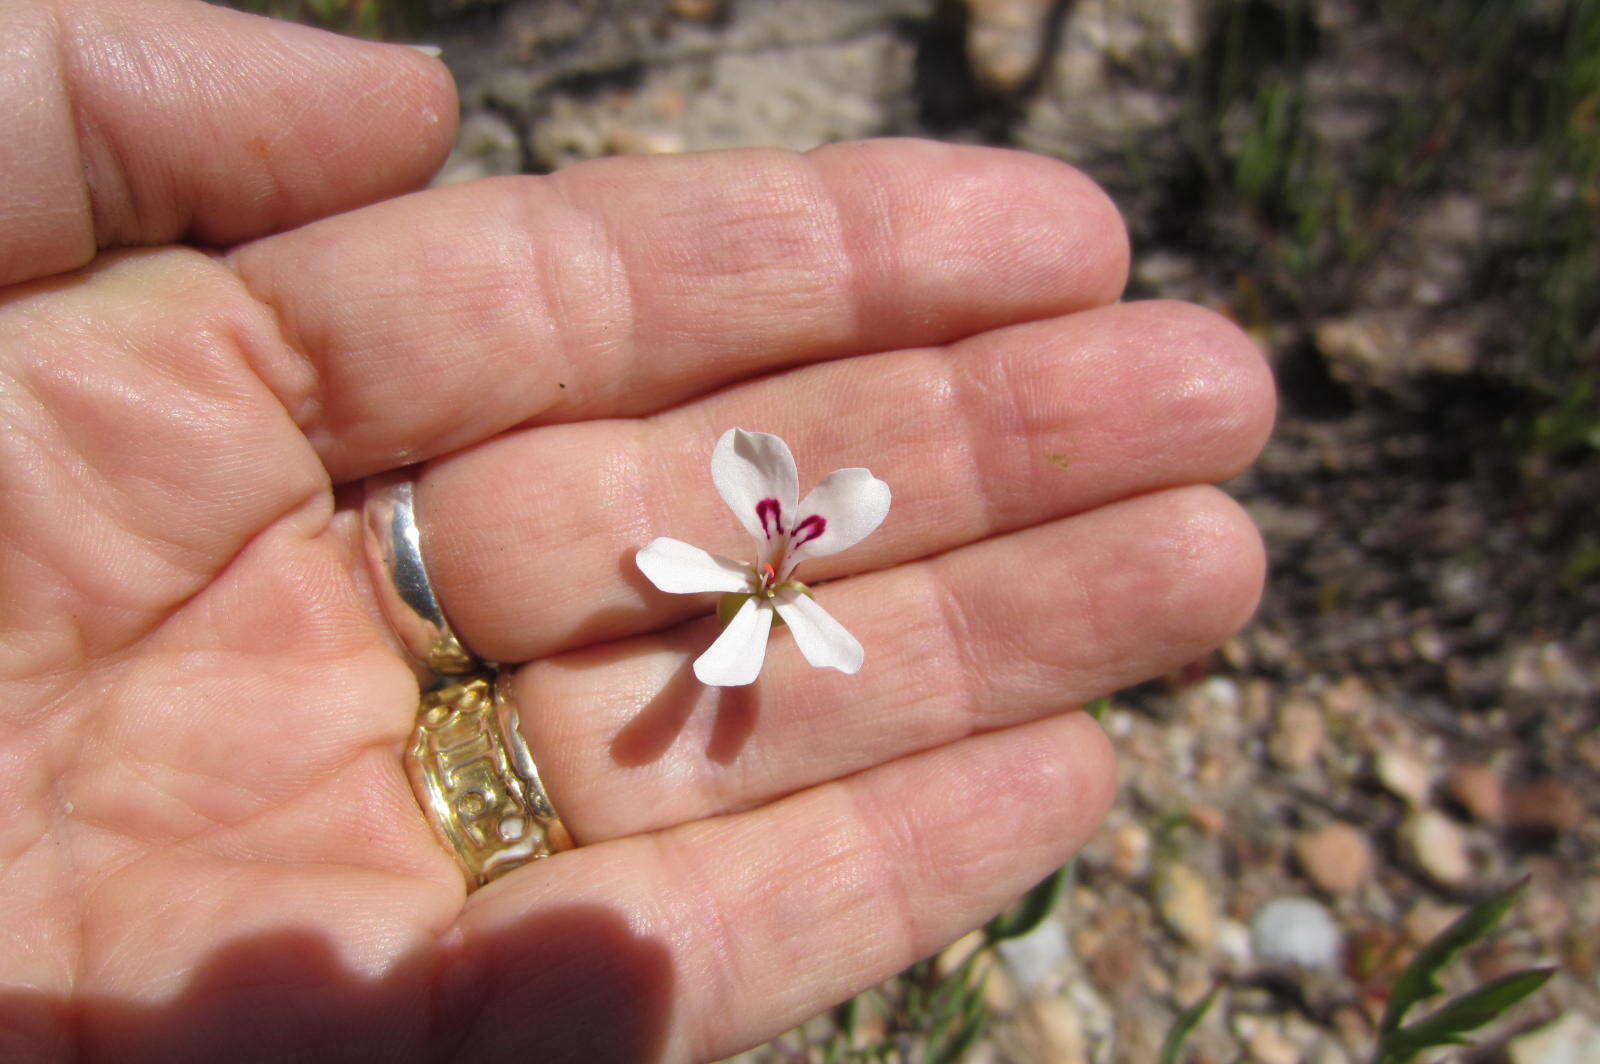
{"type": "Point", "coordinates": [159, 121]}
{"type": "Point", "coordinates": [623, 286]}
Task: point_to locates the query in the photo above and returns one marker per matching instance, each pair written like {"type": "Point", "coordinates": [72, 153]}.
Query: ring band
{"type": "Point", "coordinates": [469, 766]}
{"type": "Point", "coordinates": [477, 784]}
{"type": "Point", "coordinates": [394, 554]}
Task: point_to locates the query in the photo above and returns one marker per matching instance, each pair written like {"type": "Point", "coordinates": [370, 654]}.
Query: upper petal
{"type": "Point", "coordinates": [683, 569]}
{"type": "Point", "coordinates": [755, 474]}
{"type": "Point", "coordinates": [846, 506]}
{"type": "Point", "coordinates": [735, 658]}
{"type": "Point", "coordinates": [823, 640]}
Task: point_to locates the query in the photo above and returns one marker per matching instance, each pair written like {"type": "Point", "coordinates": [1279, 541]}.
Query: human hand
{"type": "Point", "coordinates": [211, 850]}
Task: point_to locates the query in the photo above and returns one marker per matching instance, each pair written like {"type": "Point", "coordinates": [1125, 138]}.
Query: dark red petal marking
{"type": "Point", "coordinates": [807, 530]}
{"type": "Point", "coordinates": [769, 509]}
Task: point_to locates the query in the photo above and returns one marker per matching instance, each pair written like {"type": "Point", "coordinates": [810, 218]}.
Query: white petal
{"type": "Point", "coordinates": [850, 503]}
{"type": "Point", "coordinates": [749, 468]}
{"type": "Point", "coordinates": [823, 640]}
{"type": "Point", "coordinates": [735, 658]}
{"type": "Point", "coordinates": [683, 569]}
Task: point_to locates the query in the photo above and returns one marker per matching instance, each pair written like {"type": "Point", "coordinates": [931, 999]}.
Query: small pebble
{"type": "Point", "coordinates": [1059, 1028]}
{"type": "Point", "coordinates": [1298, 932]}
{"type": "Point", "coordinates": [1573, 1039]}
{"type": "Point", "coordinates": [1208, 818]}
{"type": "Point", "coordinates": [1479, 790]}
{"type": "Point", "coordinates": [1130, 851]}
{"type": "Point", "coordinates": [1427, 918]}
{"type": "Point", "coordinates": [1297, 735]}
{"type": "Point", "coordinates": [1184, 902]}
{"type": "Point", "coordinates": [1337, 858]}
{"type": "Point", "coordinates": [1005, 41]}
{"type": "Point", "coordinates": [1269, 1045]}
{"type": "Point", "coordinates": [1233, 942]}
{"type": "Point", "coordinates": [1404, 776]}
{"type": "Point", "coordinates": [1437, 846]}
{"type": "Point", "coordinates": [1546, 805]}
{"type": "Point", "coordinates": [696, 10]}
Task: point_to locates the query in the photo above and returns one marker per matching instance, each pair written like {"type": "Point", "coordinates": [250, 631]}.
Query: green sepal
{"type": "Point", "coordinates": [730, 605]}
{"type": "Point", "coordinates": [734, 599]}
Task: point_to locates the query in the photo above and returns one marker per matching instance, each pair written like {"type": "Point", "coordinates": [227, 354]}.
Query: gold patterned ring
{"type": "Point", "coordinates": [469, 766]}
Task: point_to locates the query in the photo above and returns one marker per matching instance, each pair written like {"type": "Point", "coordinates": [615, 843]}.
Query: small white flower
{"type": "Point", "coordinates": [755, 474]}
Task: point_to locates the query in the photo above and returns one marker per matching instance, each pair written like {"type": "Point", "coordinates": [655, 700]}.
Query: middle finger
{"type": "Point", "coordinates": [531, 537]}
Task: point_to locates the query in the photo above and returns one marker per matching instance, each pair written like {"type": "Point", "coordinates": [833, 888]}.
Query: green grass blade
{"type": "Point", "coordinates": [1420, 981]}
{"type": "Point", "coordinates": [1449, 1025]}
{"type": "Point", "coordinates": [1034, 908]}
{"type": "Point", "coordinates": [1183, 1027]}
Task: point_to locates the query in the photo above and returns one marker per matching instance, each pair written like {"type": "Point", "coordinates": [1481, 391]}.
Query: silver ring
{"type": "Point", "coordinates": [400, 579]}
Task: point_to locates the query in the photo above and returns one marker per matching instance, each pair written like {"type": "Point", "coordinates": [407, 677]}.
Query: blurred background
{"type": "Point", "coordinates": [1400, 199]}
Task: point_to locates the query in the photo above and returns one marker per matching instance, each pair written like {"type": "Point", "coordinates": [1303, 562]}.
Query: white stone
{"type": "Point", "coordinates": [1299, 932]}
{"type": "Point", "coordinates": [1572, 1039]}
{"type": "Point", "coordinates": [1037, 959]}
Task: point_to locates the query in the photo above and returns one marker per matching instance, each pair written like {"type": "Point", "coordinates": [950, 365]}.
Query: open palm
{"type": "Point", "coordinates": [209, 848]}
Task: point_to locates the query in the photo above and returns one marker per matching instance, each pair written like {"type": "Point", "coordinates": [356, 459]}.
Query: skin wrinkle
{"type": "Point", "coordinates": [848, 259]}
{"type": "Point", "coordinates": [973, 401]}
{"type": "Point", "coordinates": [620, 330]}
{"type": "Point", "coordinates": [145, 769]}
{"type": "Point", "coordinates": [64, 824]}
{"type": "Point", "coordinates": [557, 316]}
{"type": "Point", "coordinates": [113, 198]}
{"type": "Point", "coordinates": [892, 893]}
{"type": "Point", "coordinates": [770, 228]}
{"type": "Point", "coordinates": [957, 632]}
{"type": "Point", "coordinates": [219, 870]}
{"type": "Point", "coordinates": [883, 236]}
{"type": "Point", "coordinates": [717, 942]}
{"type": "Point", "coordinates": [304, 402]}
{"type": "Point", "coordinates": [14, 430]}
{"type": "Point", "coordinates": [88, 223]}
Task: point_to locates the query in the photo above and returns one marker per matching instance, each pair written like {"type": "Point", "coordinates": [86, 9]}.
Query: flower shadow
{"type": "Point", "coordinates": [738, 709]}
{"type": "Point", "coordinates": [660, 721]}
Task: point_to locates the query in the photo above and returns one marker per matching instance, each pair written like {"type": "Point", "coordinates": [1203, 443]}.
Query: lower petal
{"type": "Point", "coordinates": [735, 658]}
{"type": "Point", "coordinates": [823, 640]}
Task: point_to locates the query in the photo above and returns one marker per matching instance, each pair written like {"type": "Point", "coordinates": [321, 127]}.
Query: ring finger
{"type": "Point", "coordinates": [985, 637]}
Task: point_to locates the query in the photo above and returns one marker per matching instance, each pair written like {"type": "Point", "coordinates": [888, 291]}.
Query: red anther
{"type": "Point", "coordinates": [769, 575]}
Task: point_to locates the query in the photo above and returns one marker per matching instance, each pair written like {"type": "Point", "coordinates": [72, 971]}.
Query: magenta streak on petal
{"type": "Point", "coordinates": [807, 530]}
{"type": "Point", "coordinates": [769, 508]}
